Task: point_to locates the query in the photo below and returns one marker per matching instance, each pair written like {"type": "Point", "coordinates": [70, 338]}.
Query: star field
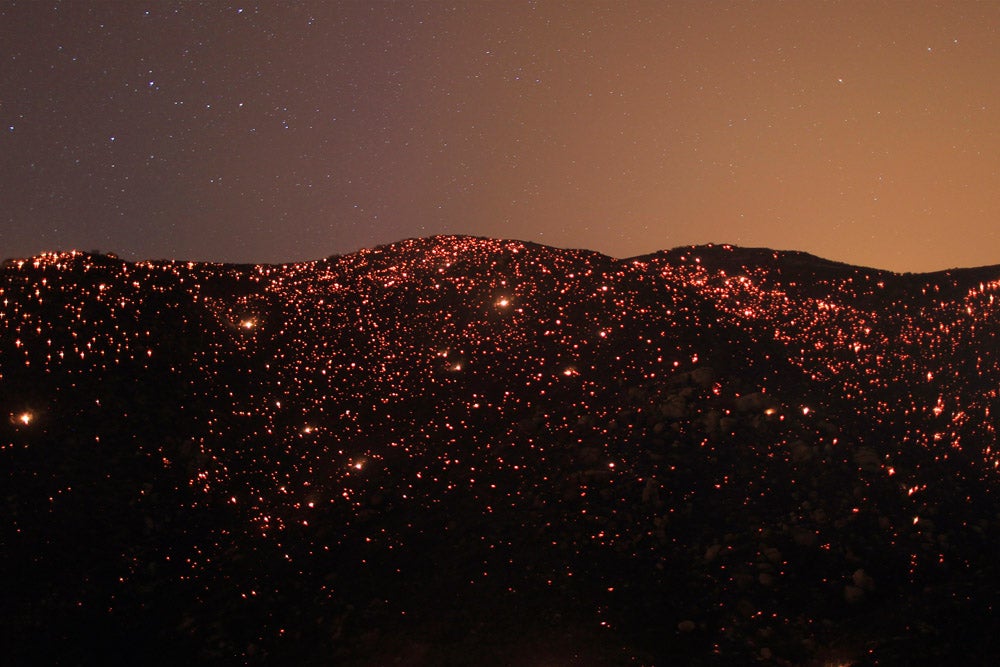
{"type": "Point", "coordinates": [864, 132]}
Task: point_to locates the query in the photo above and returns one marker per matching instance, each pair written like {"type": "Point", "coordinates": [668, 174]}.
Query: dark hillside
{"type": "Point", "coordinates": [469, 451]}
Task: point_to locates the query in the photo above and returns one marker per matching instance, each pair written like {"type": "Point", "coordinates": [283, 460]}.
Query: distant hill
{"type": "Point", "coordinates": [459, 450]}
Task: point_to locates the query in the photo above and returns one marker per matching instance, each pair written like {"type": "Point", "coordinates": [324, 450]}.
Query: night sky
{"type": "Point", "coordinates": [866, 132]}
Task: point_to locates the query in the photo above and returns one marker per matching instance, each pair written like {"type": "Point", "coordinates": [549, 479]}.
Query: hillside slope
{"type": "Point", "coordinates": [459, 450]}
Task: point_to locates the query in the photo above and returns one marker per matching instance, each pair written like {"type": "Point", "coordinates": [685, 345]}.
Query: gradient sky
{"type": "Point", "coordinates": [861, 131]}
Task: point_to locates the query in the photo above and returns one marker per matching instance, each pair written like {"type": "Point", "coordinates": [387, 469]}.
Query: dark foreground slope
{"type": "Point", "coordinates": [467, 451]}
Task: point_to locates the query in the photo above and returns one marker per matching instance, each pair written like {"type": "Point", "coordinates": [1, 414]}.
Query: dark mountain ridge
{"type": "Point", "coordinates": [459, 450]}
